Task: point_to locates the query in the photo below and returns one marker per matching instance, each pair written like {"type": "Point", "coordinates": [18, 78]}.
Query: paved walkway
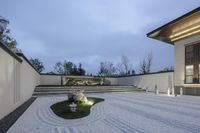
{"type": "Point", "coordinates": [120, 113]}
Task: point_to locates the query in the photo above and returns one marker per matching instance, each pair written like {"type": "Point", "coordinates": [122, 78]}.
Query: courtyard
{"type": "Point", "coordinates": [127, 112]}
{"type": "Point", "coordinates": [93, 67]}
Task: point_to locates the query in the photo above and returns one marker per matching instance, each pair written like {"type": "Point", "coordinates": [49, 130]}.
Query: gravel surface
{"type": "Point", "coordinates": [130, 112]}
{"type": "Point", "coordinates": [10, 119]}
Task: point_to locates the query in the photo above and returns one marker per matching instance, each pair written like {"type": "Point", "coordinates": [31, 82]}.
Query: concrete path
{"type": "Point", "coordinates": [120, 113]}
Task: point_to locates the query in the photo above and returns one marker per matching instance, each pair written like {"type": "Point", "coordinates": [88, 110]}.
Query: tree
{"type": "Point", "coordinates": [145, 65]}
{"type": "Point", "coordinates": [68, 67]}
{"type": "Point", "coordinates": [58, 68]}
{"type": "Point", "coordinates": [37, 64]}
{"type": "Point", "coordinates": [133, 72]}
{"type": "Point", "coordinates": [166, 69]}
{"type": "Point", "coordinates": [124, 67]}
{"type": "Point", "coordinates": [106, 69]}
{"type": "Point", "coordinates": [149, 61]}
{"type": "Point", "coordinates": [81, 71]}
{"type": "Point", "coordinates": [3, 27]}
{"type": "Point", "coordinates": [51, 72]}
{"type": "Point", "coordinates": [74, 70]}
{"type": "Point", "coordinates": [5, 36]}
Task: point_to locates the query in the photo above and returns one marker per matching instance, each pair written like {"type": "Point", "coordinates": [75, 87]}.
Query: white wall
{"type": "Point", "coordinates": [29, 79]}
{"type": "Point", "coordinates": [7, 74]}
{"type": "Point", "coordinates": [162, 80]}
{"type": "Point", "coordinates": [179, 62]}
{"type": "Point", "coordinates": [113, 81]}
{"type": "Point", "coordinates": [50, 80]}
{"type": "Point", "coordinates": [17, 82]}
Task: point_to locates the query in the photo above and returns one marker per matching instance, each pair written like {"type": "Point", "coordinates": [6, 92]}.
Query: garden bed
{"type": "Point", "coordinates": [62, 109]}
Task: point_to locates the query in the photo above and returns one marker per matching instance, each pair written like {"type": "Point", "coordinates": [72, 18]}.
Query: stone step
{"type": "Point", "coordinates": [82, 87]}
{"type": "Point", "coordinates": [89, 89]}
{"type": "Point", "coordinates": [95, 91]}
{"type": "Point", "coordinates": [51, 90]}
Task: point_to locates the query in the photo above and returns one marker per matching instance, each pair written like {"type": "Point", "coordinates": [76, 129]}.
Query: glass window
{"type": "Point", "coordinates": [189, 52]}
{"type": "Point", "coordinates": [189, 79]}
{"type": "Point", "coordinates": [199, 73]}
{"type": "Point", "coordinates": [192, 63]}
{"type": "Point", "coordinates": [189, 73]}
{"type": "Point", "coordinates": [189, 70]}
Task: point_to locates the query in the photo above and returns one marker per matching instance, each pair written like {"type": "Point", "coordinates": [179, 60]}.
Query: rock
{"type": "Point", "coordinates": [77, 96]}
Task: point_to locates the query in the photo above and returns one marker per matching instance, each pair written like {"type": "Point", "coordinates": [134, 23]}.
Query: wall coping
{"type": "Point", "coordinates": [161, 72]}
{"type": "Point", "coordinates": [24, 57]}
{"type": "Point", "coordinates": [10, 52]}
{"type": "Point", "coordinates": [146, 74]}
{"type": "Point", "coordinates": [16, 55]}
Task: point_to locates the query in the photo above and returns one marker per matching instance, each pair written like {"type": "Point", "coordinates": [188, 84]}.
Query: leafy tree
{"type": "Point", "coordinates": [106, 69]}
{"type": "Point", "coordinates": [145, 65]}
{"type": "Point", "coordinates": [81, 71]}
{"type": "Point", "coordinates": [37, 64]}
{"type": "Point", "coordinates": [74, 70]}
{"type": "Point", "coordinates": [133, 72]}
{"type": "Point", "coordinates": [58, 68]}
{"type": "Point", "coordinates": [5, 36]}
{"type": "Point", "coordinates": [3, 28]}
{"type": "Point", "coordinates": [68, 68]}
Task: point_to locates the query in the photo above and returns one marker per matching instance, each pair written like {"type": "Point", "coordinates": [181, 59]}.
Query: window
{"type": "Point", "coordinates": [192, 64]}
{"type": "Point", "coordinates": [189, 74]}
{"type": "Point", "coordinates": [189, 52]}
{"type": "Point", "coordinates": [199, 73]}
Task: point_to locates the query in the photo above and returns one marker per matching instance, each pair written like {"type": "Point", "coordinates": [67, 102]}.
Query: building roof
{"type": "Point", "coordinates": [180, 28]}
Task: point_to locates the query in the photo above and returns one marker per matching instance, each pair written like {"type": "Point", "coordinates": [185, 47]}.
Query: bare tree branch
{"type": "Point", "coordinates": [145, 65]}
{"type": "Point", "coordinates": [124, 67]}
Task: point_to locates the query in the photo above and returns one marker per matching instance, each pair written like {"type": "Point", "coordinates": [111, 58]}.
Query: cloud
{"type": "Point", "coordinates": [91, 31]}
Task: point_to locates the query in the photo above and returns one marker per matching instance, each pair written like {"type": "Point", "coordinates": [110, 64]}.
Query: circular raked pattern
{"type": "Point", "coordinates": [47, 116]}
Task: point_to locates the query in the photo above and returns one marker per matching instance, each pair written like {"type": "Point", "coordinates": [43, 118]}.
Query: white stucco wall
{"type": "Point", "coordinates": [113, 81]}
{"type": "Point", "coordinates": [29, 79]}
{"type": "Point", "coordinates": [50, 80]}
{"type": "Point", "coordinates": [179, 58]}
{"type": "Point", "coordinates": [162, 80]}
{"type": "Point", "coordinates": [17, 82]}
{"type": "Point", "coordinates": [7, 74]}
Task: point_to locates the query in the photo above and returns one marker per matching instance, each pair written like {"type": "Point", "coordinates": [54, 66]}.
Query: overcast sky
{"type": "Point", "coordinates": [91, 31]}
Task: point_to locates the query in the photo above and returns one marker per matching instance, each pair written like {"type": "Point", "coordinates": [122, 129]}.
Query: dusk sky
{"type": "Point", "coordinates": [91, 31]}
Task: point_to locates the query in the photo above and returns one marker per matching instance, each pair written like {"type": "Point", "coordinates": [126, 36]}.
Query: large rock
{"type": "Point", "coordinates": [77, 96]}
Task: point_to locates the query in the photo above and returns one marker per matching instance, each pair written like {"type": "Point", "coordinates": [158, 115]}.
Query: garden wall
{"type": "Point", "coordinates": [163, 80]}
{"type": "Point", "coordinates": [50, 79]}
{"type": "Point", "coordinates": [17, 81]}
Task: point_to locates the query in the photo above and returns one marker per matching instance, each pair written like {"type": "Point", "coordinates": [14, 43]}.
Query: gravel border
{"type": "Point", "coordinates": [11, 118]}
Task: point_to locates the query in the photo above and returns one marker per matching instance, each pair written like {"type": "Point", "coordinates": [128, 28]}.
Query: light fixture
{"type": "Point", "coordinates": [186, 35]}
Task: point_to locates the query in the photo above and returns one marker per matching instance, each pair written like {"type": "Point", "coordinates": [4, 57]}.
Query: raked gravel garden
{"type": "Point", "coordinates": [130, 112]}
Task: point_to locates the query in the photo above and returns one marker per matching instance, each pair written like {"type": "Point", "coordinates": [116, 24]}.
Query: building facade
{"type": "Point", "coordinates": [184, 34]}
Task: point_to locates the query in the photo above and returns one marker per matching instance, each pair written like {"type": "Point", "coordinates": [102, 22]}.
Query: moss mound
{"type": "Point", "coordinates": [62, 109]}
